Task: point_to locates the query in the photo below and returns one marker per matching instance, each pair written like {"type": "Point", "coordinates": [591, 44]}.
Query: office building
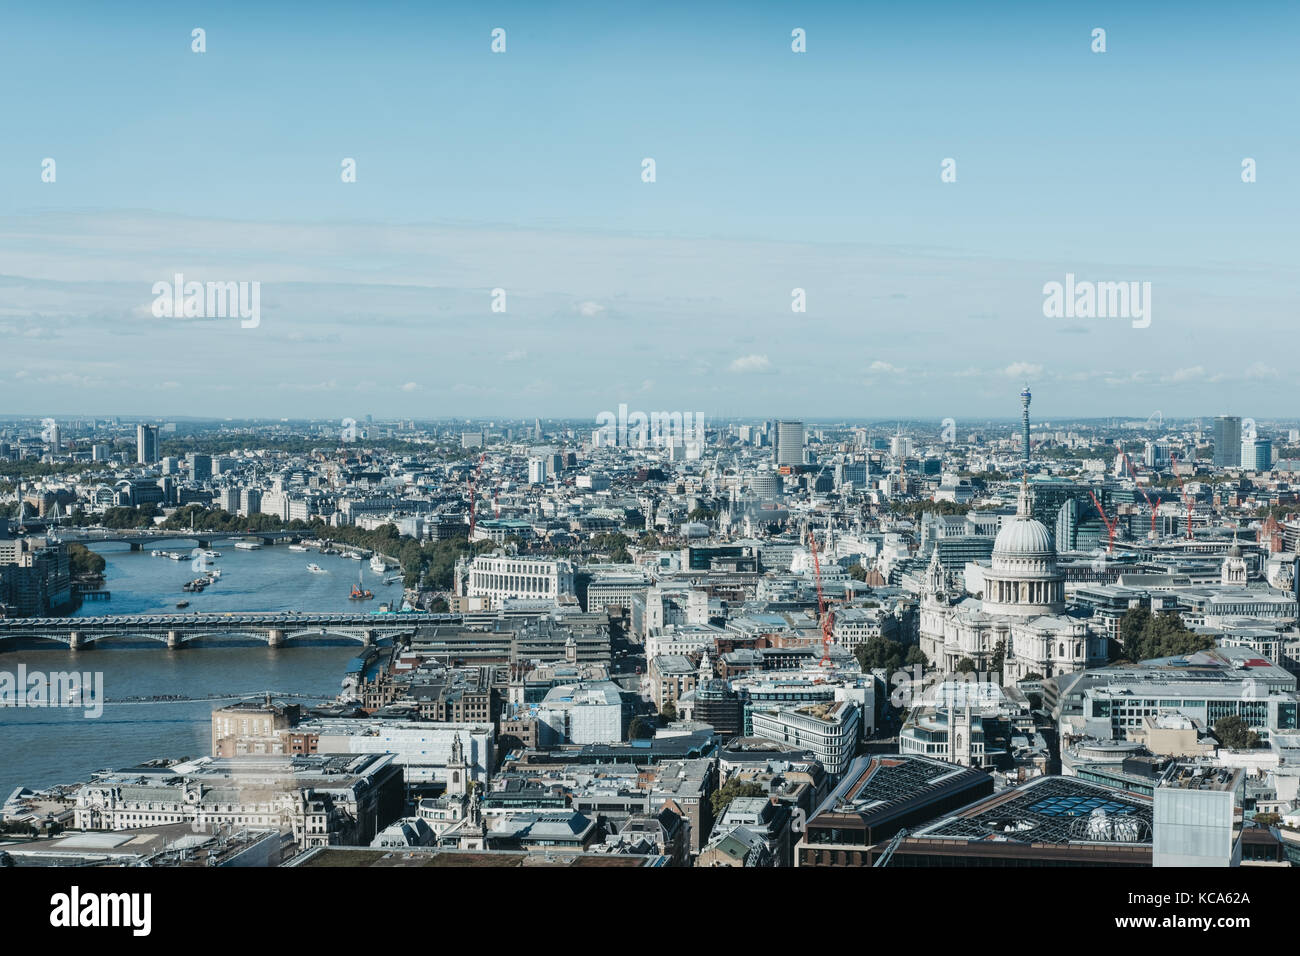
{"type": "Point", "coordinates": [146, 444]}
{"type": "Point", "coordinates": [1195, 808]}
{"type": "Point", "coordinates": [200, 466]}
{"type": "Point", "coordinates": [830, 730]}
{"type": "Point", "coordinates": [788, 446]}
{"type": "Point", "coordinates": [500, 576]}
{"type": "Point", "coordinates": [321, 800]}
{"type": "Point", "coordinates": [1257, 455]}
{"type": "Point", "coordinates": [880, 796]}
{"type": "Point", "coordinates": [1227, 441]}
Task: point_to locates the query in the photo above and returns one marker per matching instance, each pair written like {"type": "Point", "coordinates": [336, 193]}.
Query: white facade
{"type": "Point", "coordinates": [423, 749]}
{"type": "Point", "coordinates": [497, 577]}
{"type": "Point", "coordinates": [581, 714]}
{"type": "Point", "coordinates": [829, 731]}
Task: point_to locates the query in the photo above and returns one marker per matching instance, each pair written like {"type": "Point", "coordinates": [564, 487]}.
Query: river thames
{"type": "Point", "coordinates": [40, 747]}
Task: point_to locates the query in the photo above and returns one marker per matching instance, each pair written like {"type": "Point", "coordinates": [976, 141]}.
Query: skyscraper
{"type": "Point", "coordinates": [1025, 398]}
{"type": "Point", "coordinates": [787, 449]}
{"type": "Point", "coordinates": [1227, 441]}
{"type": "Point", "coordinates": [146, 444]}
{"type": "Point", "coordinates": [1257, 455]}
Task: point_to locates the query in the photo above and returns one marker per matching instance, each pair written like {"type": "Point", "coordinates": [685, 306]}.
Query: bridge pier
{"type": "Point", "coordinates": [369, 638]}
{"type": "Point", "coordinates": [79, 642]}
{"type": "Point", "coordinates": [136, 546]}
{"type": "Point", "coordinates": [275, 637]}
{"type": "Point", "coordinates": [174, 641]}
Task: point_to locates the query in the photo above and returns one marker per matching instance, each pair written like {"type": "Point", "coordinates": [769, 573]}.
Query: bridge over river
{"type": "Point", "coordinates": [278, 628]}
{"type": "Point", "coordinates": [153, 538]}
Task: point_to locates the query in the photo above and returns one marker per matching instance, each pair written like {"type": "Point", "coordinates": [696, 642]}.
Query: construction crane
{"type": "Point", "coordinates": [1173, 466]}
{"type": "Point", "coordinates": [824, 613]}
{"type": "Point", "coordinates": [473, 495]}
{"type": "Point", "coordinates": [1143, 492]}
{"type": "Point", "coordinates": [1111, 526]}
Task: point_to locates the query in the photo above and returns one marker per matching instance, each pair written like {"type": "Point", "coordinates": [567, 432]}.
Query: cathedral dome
{"type": "Point", "coordinates": [1024, 580]}
{"type": "Point", "coordinates": [1023, 537]}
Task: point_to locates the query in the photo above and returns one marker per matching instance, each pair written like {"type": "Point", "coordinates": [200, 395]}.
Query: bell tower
{"type": "Point", "coordinates": [457, 770]}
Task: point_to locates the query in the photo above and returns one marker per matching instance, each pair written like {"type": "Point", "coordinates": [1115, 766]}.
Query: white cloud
{"type": "Point", "coordinates": [751, 363]}
{"type": "Point", "coordinates": [590, 309]}
{"type": "Point", "coordinates": [1193, 373]}
{"type": "Point", "coordinates": [411, 387]}
{"type": "Point", "coordinates": [1022, 370]}
{"type": "Point", "coordinates": [515, 355]}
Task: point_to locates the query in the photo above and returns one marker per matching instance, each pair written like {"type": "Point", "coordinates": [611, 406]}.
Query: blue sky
{"type": "Point", "coordinates": [775, 170]}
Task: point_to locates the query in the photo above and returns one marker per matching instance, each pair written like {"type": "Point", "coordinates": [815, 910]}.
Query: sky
{"type": "Point", "coordinates": [774, 171]}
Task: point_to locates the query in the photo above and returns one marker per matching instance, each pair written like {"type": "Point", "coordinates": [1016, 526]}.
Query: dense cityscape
{"type": "Point", "coordinates": [652, 639]}
{"type": "Point", "coordinates": [447, 441]}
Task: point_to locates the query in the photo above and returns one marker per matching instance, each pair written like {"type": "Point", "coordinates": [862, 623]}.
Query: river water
{"type": "Point", "coordinates": [40, 747]}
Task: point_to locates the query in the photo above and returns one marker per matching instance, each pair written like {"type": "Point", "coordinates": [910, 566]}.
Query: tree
{"type": "Point", "coordinates": [640, 729]}
{"type": "Point", "coordinates": [669, 713]}
{"type": "Point", "coordinates": [880, 651]}
{"type": "Point", "coordinates": [1143, 636]}
{"type": "Point", "coordinates": [732, 789]}
{"type": "Point", "coordinates": [999, 655]}
{"type": "Point", "coordinates": [857, 572]}
{"type": "Point", "coordinates": [1235, 734]}
{"type": "Point", "coordinates": [81, 560]}
{"type": "Point", "coordinates": [965, 665]}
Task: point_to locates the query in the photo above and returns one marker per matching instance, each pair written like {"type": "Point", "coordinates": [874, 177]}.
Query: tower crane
{"type": "Point", "coordinates": [1111, 526]}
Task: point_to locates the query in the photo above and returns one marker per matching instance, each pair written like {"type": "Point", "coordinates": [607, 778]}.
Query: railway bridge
{"type": "Point", "coordinates": [278, 628]}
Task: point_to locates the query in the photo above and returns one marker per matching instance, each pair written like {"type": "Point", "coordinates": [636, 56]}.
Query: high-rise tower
{"type": "Point", "coordinates": [1024, 421]}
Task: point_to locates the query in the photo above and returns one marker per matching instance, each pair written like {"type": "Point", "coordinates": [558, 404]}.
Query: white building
{"type": "Point", "coordinates": [829, 731]}
{"type": "Point", "coordinates": [422, 748]}
{"type": "Point", "coordinates": [500, 576]}
{"type": "Point", "coordinates": [537, 471]}
{"type": "Point", "coordinates": [585, 713]}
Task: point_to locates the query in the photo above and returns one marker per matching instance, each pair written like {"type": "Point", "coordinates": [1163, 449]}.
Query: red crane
{"type": "Point", "coordinates": [1111, 526]}
{"type": "Point", "coordinates": [826, 615]}
{"type": "Point", "coordinates": [1143, 492]}
{"type": "Point", "coordinates": [1173, 466]}
{"type": "Point", "coordinates": [473, 495]}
